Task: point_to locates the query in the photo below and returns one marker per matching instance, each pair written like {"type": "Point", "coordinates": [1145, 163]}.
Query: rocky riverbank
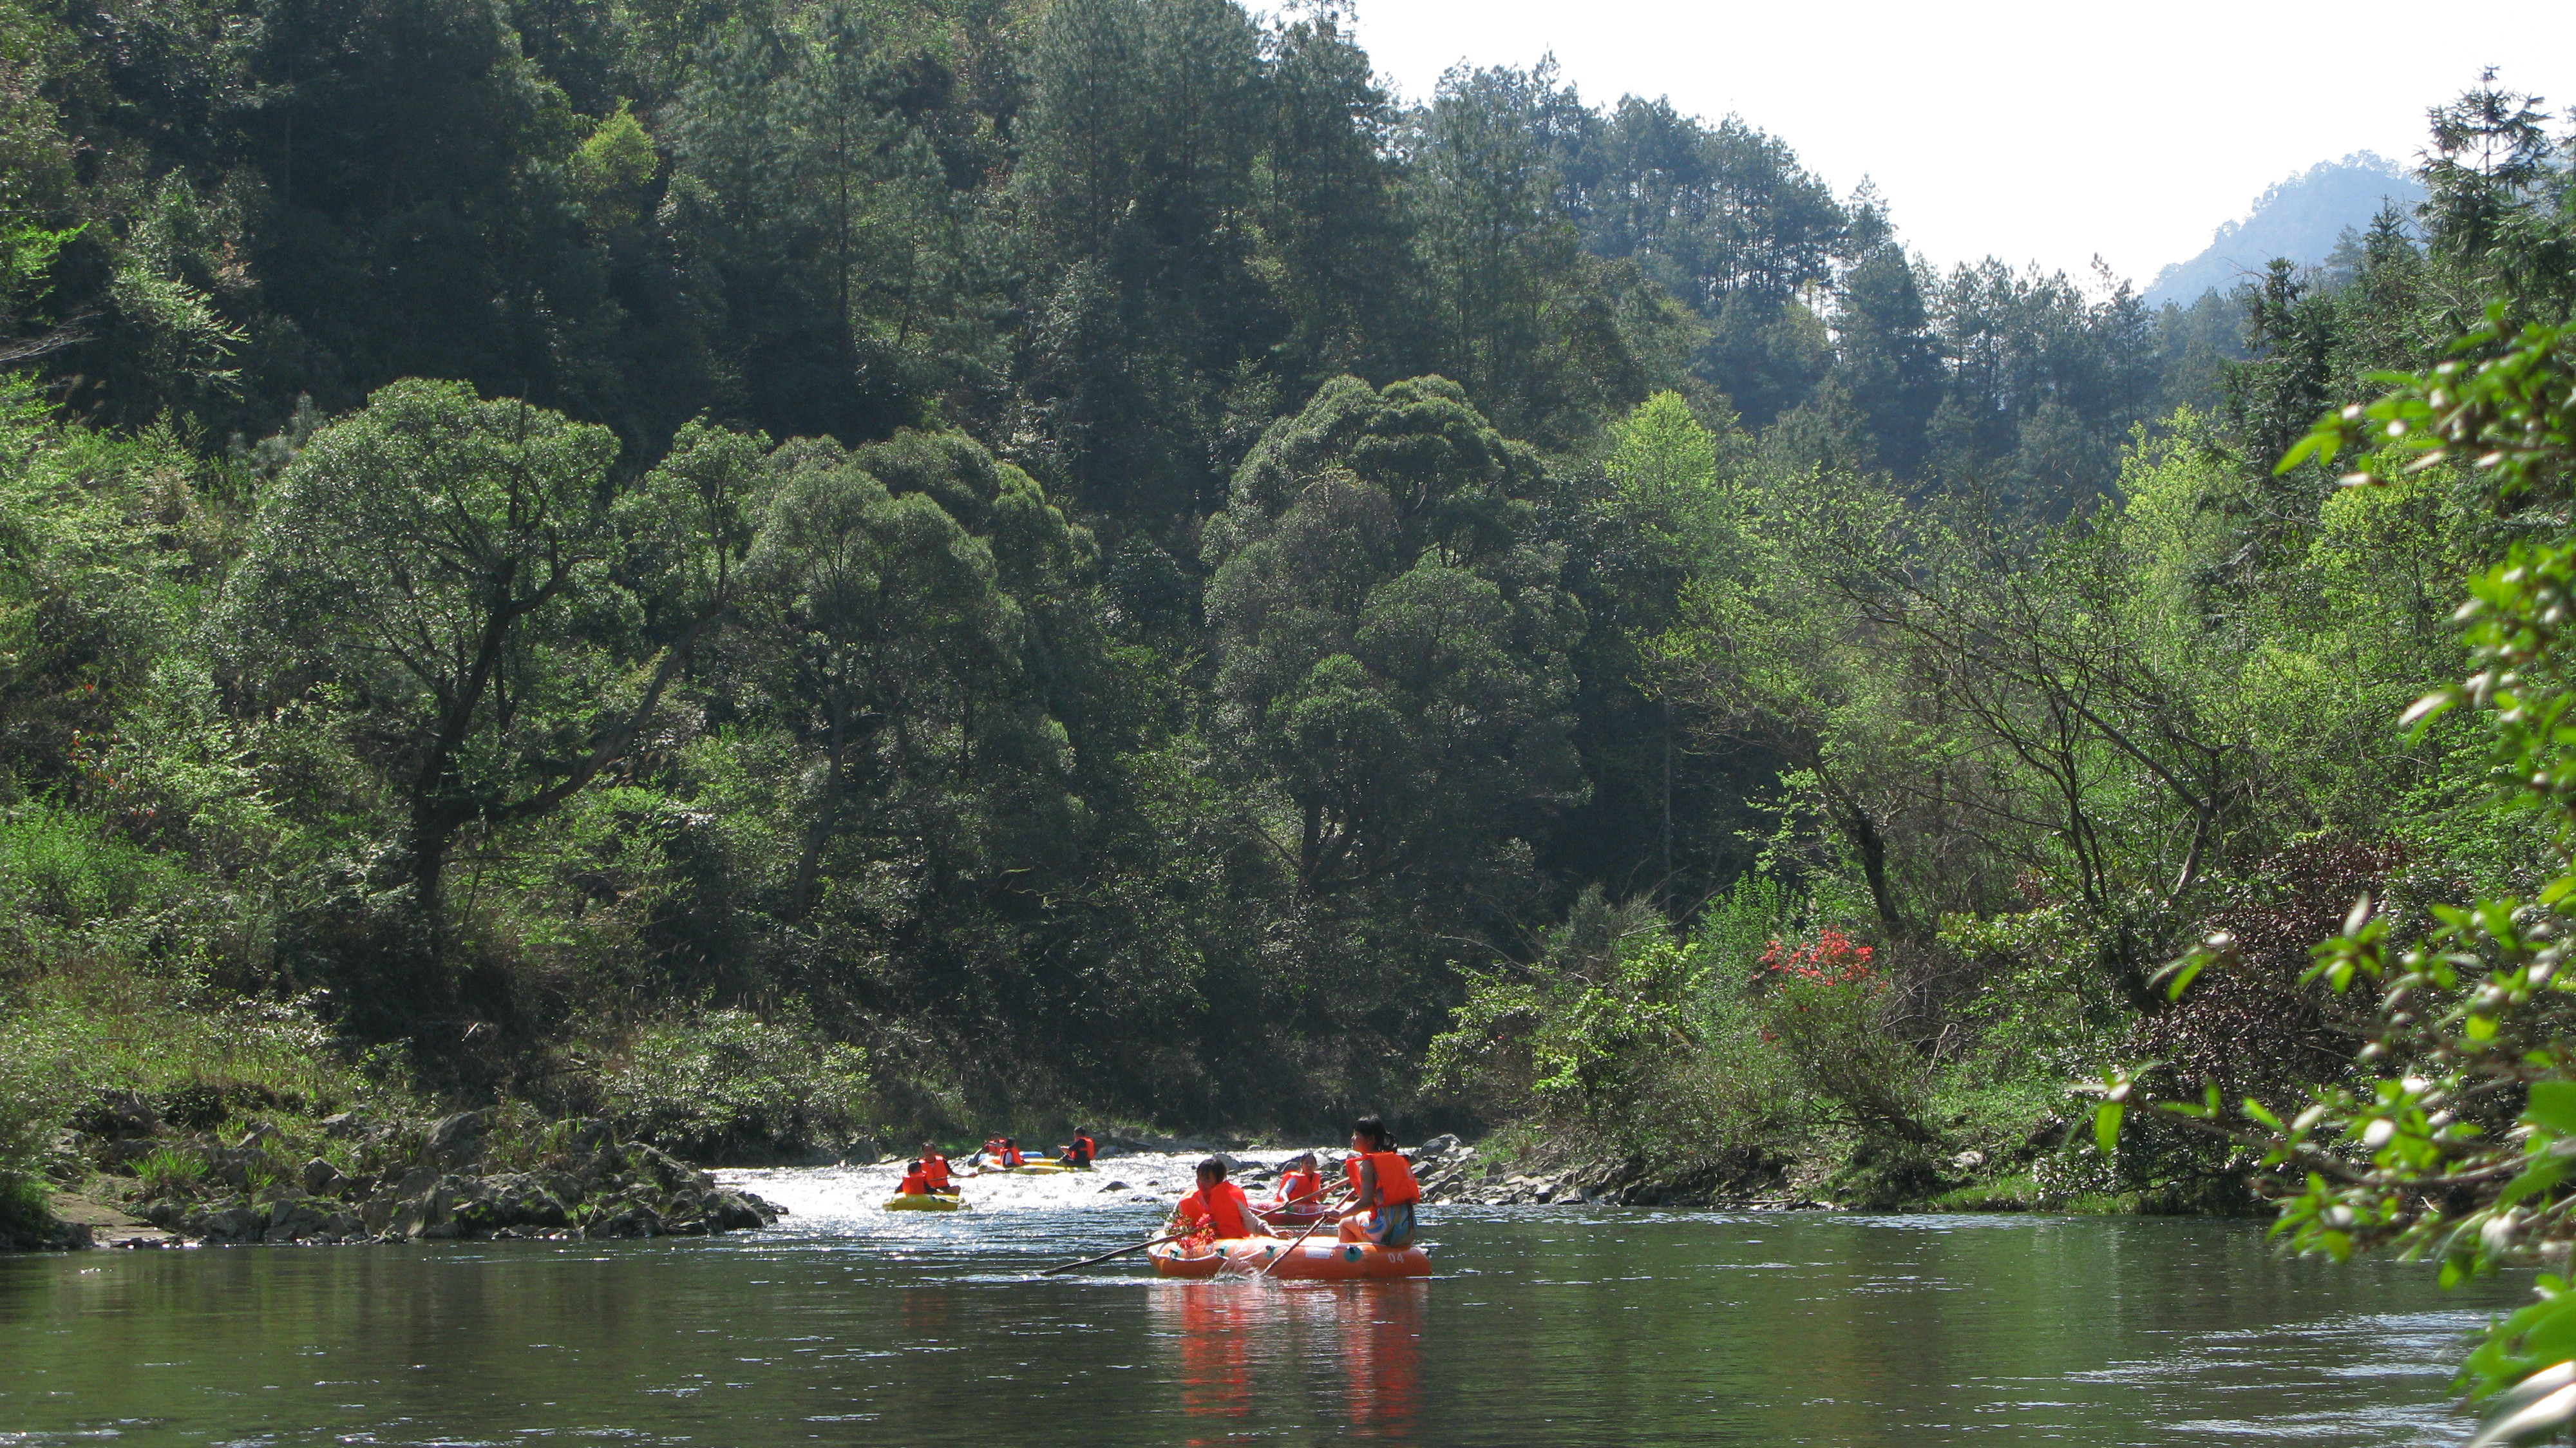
{"type": "Point", "coordinates": [365, 1180]}
{"type": "Point", "coordinates": [1451, 1171]}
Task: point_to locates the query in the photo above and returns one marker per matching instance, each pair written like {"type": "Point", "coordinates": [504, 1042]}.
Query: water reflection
{"type": "Point", "coordinates": [1213, 1326]}
{"type": "Point", "coordinates": [1243, 1349]}
{"type": "Point", "coordinates": [1381, 1332]}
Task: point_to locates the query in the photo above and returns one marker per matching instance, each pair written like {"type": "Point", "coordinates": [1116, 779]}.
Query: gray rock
{"type": "Point", "coordinates": [562, 1186]}
{"type": "Point", "coordinates": [862, 1152]}
{"type": "Point", "coordinates": [432, 1214]}
{"type": "Point", "coordinates": [632, 1222]}
{"type": "Point", "coordinates": [126, 1153]}
{"type": "Point", "coordinates": [665, 1170]}
{"type": "Point", "coordinates": [349, 1125]}
{"type": "Point", "coordinates": [322, 1179]}
{"type": "Point", "coordinates": [234, 1166]}
{"type": "Point", "coordinates": [298, 1221]}
{"type": "Point", "coordinates": [456, 1140]}
{"type": "Point", "coordinates": [226, 1225]}
{"type": "Point", "coordinates": [120, 1114]}
{"type": "Point", "coordinates": [515, 1201]}
{"type": "Point", "coordinates": [1438, 1146]}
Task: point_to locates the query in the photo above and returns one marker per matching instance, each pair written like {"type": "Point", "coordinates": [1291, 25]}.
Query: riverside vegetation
{"type": "Point", "coordinates": [757, 575]}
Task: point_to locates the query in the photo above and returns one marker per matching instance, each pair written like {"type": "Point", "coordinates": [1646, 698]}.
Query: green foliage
{"type": "Point", "coordinates": [35, 1097]}
{"type": "Point", "coordinates": [1609, 1008]}
{"type": "Point", "coordinates": [2466, 1013]}
{"type": "Point", "coordinates": [1740, 927]}
{"type": "Point", "coordinates": [613, 166]}
{"type": "Point", "coordinates": [2042, 1010]}
{"type": "Point", "coordinates": [166, 1171]}
{"type": "Point", "coordinates": [1390, 639]}
{"type": "Point", "coordinates": [726, 1085]}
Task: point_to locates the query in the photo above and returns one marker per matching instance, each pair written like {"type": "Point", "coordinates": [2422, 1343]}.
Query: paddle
{"type": "Point", "coordinates": [1301, 1237]}
{"type": "Point", "coordinates": [1121, 1252]}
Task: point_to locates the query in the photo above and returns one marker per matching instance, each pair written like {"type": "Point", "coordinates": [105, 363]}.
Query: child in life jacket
{"type": "Point", "coordinates": [1300, 1185]}
{"type": "Point", "coordinates": [1216, 1211]}
{"type": "Point", "coordinates": [914, 1183]}
{"type": "Point", "coordinates": [934, 1170]}
{"type": "Point", "coordinates": [1383, 1193]}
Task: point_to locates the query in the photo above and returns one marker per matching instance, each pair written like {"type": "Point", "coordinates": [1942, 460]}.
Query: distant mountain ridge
{"type": "Point", "coordinates": [2300, 218]}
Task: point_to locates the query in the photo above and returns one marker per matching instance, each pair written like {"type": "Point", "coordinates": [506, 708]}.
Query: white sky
{"type": "Point", "coordinates": [2036, 132]}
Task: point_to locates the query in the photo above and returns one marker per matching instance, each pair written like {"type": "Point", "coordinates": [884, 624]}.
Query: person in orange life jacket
{"type": "Point", "coordinates": [1080, 1152]}
{"type": "Point", "coordinates": [990, 1153]}
{"type": "Point", "coordinates": [1011, 1152]}
{"type": "Point", "coordinates": [914, 1183]}
{"type": "Point", "coordinates": [934, 1170]}
{"type": "Point", "coordinates": [1300, 1185]}
{"type": "Point", "coordinates": [1217, 1210]}
{"type": "Point", "coordinates": [1382, 1188]}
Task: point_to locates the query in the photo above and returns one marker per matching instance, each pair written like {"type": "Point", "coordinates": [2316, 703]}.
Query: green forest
{"type": "Point", "coordinates": [783, 571]}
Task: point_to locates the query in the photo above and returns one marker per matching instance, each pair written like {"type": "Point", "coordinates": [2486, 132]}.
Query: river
{"type": "Point", "coordinates": [846, 1324]}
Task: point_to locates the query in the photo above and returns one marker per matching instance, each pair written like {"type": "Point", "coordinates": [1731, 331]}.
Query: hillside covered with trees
{"type": "Point", "coordinates": [782, 571]}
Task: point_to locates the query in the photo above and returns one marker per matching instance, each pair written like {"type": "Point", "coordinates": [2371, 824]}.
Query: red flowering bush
{"type": "Point", "coordinates": [1830, 959]}
{"type": "Point", "coordinates": [1826, 1006]}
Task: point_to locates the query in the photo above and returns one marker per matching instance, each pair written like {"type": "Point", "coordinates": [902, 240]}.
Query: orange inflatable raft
{"type": "Point", "coordinates": [1318, 1258]}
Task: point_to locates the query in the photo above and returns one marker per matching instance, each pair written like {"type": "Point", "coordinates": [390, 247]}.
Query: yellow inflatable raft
{"type": "Point", "coordinates": [924, 1202]}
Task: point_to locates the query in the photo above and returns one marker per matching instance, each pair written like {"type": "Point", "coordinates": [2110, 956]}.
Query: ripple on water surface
{"type": "Point", "coordinates": [848, 1324]}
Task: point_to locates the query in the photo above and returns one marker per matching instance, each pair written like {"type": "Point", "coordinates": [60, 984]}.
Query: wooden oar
{"type": "Point", "coordinates": [1302, 1236]}
{"type": "Point", "coordinates": [1121, 1252]}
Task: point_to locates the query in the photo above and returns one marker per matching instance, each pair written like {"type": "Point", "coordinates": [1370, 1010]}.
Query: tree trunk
{"type": "Point", "coordinates": [1866, 841]}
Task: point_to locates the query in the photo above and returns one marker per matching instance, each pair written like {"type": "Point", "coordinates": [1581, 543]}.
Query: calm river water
{"type": "Point", "coordinates": [1578, 1326]}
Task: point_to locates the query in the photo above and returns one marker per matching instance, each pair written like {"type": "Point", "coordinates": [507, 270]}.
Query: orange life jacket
{"type": "Point", "coordinates": [1011, 1157]}
{"type": "Point", "coordinates": [934, 1171]}
{"type": "Point", "coordinates": [1083, 1148]}
{"type": "Point", "coordinates": [1395, 1185]}
{"type": "Point", "coordinates": [1221, 1208]}
{"type": "Point", "coordinates": [1300, 1186]}
{"type": "Point", "coordinates": [913, 1185]}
